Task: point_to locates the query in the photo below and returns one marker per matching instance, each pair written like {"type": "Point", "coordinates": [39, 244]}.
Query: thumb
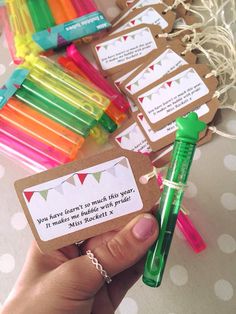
{"type": "Point", "coordinates": [115, 254]}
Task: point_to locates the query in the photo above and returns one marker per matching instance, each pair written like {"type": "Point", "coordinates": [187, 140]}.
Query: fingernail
{"type": "Point", "coordinates": [144, 228]}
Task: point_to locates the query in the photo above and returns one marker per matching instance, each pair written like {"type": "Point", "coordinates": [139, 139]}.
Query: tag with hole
{"type": "Point", "coordinates": [181, 9]}
{"type": "Point", "coordinates": [153, 15]}
{"type": "Point", "coordinates": [165, 136]}
{"type": "Point", "coordinates": [126, 48]}
{"type": "Point", "coordinates": [181, 22]}
{"type": "Point", "coordinates": [176, 94]}
{"type": "Point", "coordinates": [86, 198]}
{"type": "Point", "coordinates": [161, 62]}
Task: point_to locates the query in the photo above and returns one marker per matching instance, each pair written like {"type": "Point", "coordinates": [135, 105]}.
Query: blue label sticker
{"type": "Point", "coordinates": [63, 34]}
{"type": "Point", "coordinates": [11, 86]}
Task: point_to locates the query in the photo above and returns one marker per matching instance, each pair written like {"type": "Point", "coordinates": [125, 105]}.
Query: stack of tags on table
{"type": "Point", "coordinates": [160, 77]}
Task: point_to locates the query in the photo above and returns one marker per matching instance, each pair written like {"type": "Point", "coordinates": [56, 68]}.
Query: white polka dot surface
{"type": "Point", "coordinates": [179, 275]}
{"type": "Point", "coordinates": [232, 93]}
{"type": "Point", "coordinates": [7, 263]}
{"type": "Point", "coordinates": [197, 154]}
{"type": "Point", "coordinates": [4, 42]}
{"type": "Point", "coordinates": [2, 171]}
{"type": "Point", "coordinates": [230, 162]}
{"type": "Point", "coordinates": [18, 221]}
{"type": "Point", "coordinates": [179, 234]}
{"type": "Point", "coordinates": [228, 200]}
{"type": "Point", "coordinates": [224, 290]}
{"type": "Point", "coordinates": [226, 243]}
{"type": "Point", "coordinates": [189, 277]}
{"type": "Point", "coordinates": [112, 12]}
{"type": "Point", "coordinates": [128, 306]}
{"type": "Point", "coordinates": [191, 190]}
{"type": "Point", "coordinates": [2, 69]}
{"type": "Point", "coordinates": [231, 126]}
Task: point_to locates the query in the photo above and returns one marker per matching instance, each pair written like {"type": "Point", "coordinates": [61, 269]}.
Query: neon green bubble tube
{"type": "Point", "coordinates": [187, 136]}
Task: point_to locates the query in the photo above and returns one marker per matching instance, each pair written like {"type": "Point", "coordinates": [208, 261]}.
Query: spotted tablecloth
{"type": "Point", "coordinates": [201, 284]}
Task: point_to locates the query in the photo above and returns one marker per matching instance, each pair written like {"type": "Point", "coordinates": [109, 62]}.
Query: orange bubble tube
{"type": "Point", "coordinates": [41, 128]}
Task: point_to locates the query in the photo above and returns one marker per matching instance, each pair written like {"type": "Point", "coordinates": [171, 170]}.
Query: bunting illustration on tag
{"type": "Point", "coordinates": [130, 137]}
{"type": "Point", "coordinates": [122, 39]}
{"type": "Point", "coordinates": [161, 62]}
{"type": "Point", "coordinates": [148, 15]}
{"type": "Point", "coordinates": [75, 179]}
{"type": "Point", "coordinates": [126, 48]}
{"type": "Point", "coordinates": [157, 91]}
{"type": "Point", "coordinates": [132, 130]}
{"type": "Point", "coordinates": [87, 197]}
{"type": "Point", "coordinates": [167, 56]}
{"type": "Point", "coordinates": [176, 94]}
{"type": "Point", "coordinates": [165, 136]}
{"type": "Point", "coordinates": [134, 5]}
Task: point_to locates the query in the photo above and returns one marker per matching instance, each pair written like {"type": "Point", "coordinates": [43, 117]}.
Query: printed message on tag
{"type": "Point", "coordinates": [167, 62]}
{"type": "Point", "coordinates": [137, 5]}
{"type": "Point", "coordinates": [85, 198]}
{"type": "Point", "coordinates": [124, 48]}
{"type": "Point", "coordinates": [170, 128]}
{"type": "Point", "coordinates": [82, 199]}
{"type": "Point", "coordinates": [176, 94]}
{"type": "Point", "coordinates": [147, 16]}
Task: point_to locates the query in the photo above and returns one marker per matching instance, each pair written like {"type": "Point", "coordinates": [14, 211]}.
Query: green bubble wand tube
{"type": "Point", "coordinates": [184, 147]}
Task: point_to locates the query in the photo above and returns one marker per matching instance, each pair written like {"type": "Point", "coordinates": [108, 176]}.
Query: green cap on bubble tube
{"type": "Point", "coordinates": [189, 128]}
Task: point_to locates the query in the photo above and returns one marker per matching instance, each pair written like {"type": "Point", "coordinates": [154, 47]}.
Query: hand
{"type": "Point", "coordinates": [63, 282]}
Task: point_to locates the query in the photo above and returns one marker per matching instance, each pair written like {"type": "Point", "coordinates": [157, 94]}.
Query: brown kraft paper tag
{"type": "Point", "coordinates": [153, 15]}
{"type": "Point", "coordinates": [165, 136]}
{"type": "Point", "coordinates": [86, 198]}
{"type": "Point", "coordinates": [161, 62]}
{"type": "Point", "coordinates": [181, 22]}
{"type": "Point", "coordinates": [126, 48]}
{"type": "Point", "coordinates": [129, 6]}
{"type": "Point", "coordinates": [130, 137]}
{"type": "Point", "coordinates": [175, 94]}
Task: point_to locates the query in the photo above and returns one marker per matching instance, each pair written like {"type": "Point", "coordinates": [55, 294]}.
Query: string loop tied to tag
{"type": "Point", "coordinates": [221, 57]}
{"type": "Point", "coordinates": [189, 8]}
{"type": "Point", "coordinates": [221, 133]}
{"type": "Point", "coordinates": [174, 185]}
{"type": "Point", "coordinates": [145, 178]}
{"type": "Point", "coordinates": [216, 94]}
{"type": "Point", "coordinates": [212, 73]}
{"type": "Point", "coordinates": [173, 6]}
{"type": "Point", "coordinates": [185, 211]}
{"type": "Point", "coordinates": [164, 35]}
{"type": "Point", "coordinates": [156, 172]}
{"type": "Point", "coordinates": [167, 9]}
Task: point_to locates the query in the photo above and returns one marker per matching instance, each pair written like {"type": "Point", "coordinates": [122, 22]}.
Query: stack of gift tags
{"type": "Point", "coordinates": [160, 76]}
